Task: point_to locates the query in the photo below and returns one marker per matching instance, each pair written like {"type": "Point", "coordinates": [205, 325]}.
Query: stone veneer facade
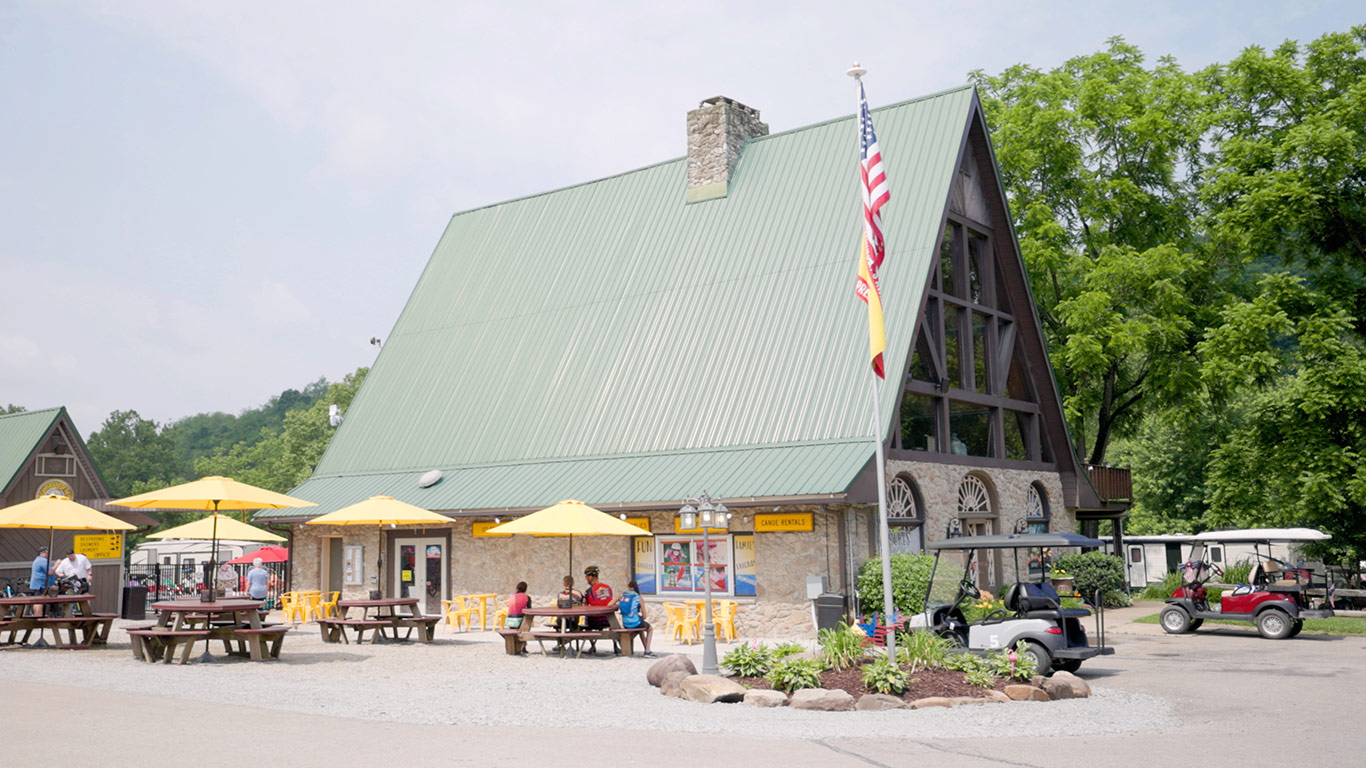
{"type": "Point", "coordinates": [782, 560]}
{"type": "Point", "coordinates": [717, 130]}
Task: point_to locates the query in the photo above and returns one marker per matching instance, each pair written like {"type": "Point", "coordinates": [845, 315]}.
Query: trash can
{"type": "Point", "coordinates": [829, 610]}
{"type": "Point", "coordinates": [134, 603]}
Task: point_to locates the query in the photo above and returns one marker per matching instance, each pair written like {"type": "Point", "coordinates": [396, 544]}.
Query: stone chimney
{"type": "Point", "coordinates": [717, 130]}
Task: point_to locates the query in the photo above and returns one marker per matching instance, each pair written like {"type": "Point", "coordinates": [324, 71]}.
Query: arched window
{"type": "Point", "coordinates": [973, 498]}
{"type": "Point", "coordinates": [905, 515]}
{"type": "Point", "coordinates": [1036, 508]}
{"type": "Point", "coordinates": [978, 519]}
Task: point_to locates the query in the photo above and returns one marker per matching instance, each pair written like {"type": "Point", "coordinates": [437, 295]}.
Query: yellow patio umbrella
{"type": "Point", "coordinates": [214, 493]}
{"type": "Point", "coordinates": [569, 518]}
{"type": "Point", "coordinates": [380, 511]}
{"type": "Point", "coordinates": [214, 526]}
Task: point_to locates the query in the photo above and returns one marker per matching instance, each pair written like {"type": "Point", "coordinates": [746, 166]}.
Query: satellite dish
{"type": "Point", "coordinates": [429, 479]}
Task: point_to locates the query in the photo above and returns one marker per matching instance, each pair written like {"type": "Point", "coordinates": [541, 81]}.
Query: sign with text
{"type": "Point", "coordinates": [482, 529]}
{"type": "Point", "coordinates": [745, 580]}
{"type": "Point", "coordinates": [768, 522]}
{"type": "Point", "coordinates": [643, 523]}
{"type": "Point", "coordinates": [104, 546]}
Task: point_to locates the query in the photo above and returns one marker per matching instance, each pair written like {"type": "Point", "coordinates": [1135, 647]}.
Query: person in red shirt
{"type": "Point", "coordinates": [519, 602]}
{"type": "Point", "coordinates": [598, 594]}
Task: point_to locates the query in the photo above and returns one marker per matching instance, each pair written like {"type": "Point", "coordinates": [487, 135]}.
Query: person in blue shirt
{"type": "Point", "coordinates": [633, 615]}
{"type": "Point", "coordinates": [39, 576]}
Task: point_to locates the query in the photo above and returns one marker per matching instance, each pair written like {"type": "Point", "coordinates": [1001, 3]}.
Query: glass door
{"type": "Point", "coordinates": [420, 571]}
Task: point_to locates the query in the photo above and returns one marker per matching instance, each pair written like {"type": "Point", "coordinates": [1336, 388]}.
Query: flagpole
{"type": "Point", "coordinates": [884, 537]}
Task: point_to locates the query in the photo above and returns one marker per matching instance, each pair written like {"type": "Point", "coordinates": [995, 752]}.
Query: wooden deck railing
{"type": "Point", "coordinates": [1112, 483]}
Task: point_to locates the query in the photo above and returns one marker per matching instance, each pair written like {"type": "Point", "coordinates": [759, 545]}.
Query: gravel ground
{"type": "Point", "coordinates": [468, 679]}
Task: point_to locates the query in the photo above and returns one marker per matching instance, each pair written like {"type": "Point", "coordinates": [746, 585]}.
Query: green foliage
{"type": "Point", "coordinates": [12, 408]}
{"type": "Point", "coordinates": [749, 660]}
{"type": "Point", "coordinates": [841, 648]}
{"type": "Point", "coordinates": [1238, 572]}
{"type": "Point", "coordinates": [1001, 666]}
{"type": "Point", "coordinates": [885, 676]}
{"type": "Point", "coordinates": [1117, 598]}
{"type": "Point", "coordinates": [128, 449]}
{"type": "Point", "coordinates": [793, 674]}
{"type": "Point", "coordinates": [982, 608]}
{"type": "Point", "coordinates": [923, 650]}
{"type": "Point", "coordinates": [1093, 571]}
{"type": "Point", "coordinates": [964, 662]}
{"type": "Point", "coordinates": [789, 648]}
{"type": "Point", "coordinates": [1163, 589]}
{"type": "Point", "coordinates": [981, 678]}
{"type": "Point", "coordinates": [910, 579]}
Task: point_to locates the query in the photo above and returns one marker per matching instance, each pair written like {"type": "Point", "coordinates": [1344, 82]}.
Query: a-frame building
{"type": "Point", "coordinates": [691, 326]}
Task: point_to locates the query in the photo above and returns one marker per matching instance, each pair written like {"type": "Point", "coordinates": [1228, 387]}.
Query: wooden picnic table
{"type": "Point", "coordinates": [516, 639]}
{"type": "Point", "coordinates": [69, 612]}
{"type": "Point", "coordinates": [378, 616]}
{"type": "Point", "coordinates": [185, 622]}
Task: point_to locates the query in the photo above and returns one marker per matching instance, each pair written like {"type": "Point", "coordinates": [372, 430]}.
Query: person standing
{"type": "Point", "coordinates": [75, 566]}
{"type": "Point", "coordinates": [258, 579]}
{"type": "Point", "coordinates": [39, 576]}
{"type": "Point", "coordinates": [633, 615]}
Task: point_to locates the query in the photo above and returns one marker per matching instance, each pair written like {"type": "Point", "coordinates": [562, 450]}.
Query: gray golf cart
{"type": "Point", "coordinates": [1033, 622]}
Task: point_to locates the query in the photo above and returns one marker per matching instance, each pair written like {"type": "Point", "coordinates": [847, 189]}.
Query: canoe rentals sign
{"type": "Point", "coordinates": [769, 522]}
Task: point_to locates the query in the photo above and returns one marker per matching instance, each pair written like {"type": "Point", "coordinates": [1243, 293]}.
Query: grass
{"type": "Point", "coordinates": [1347, 626]}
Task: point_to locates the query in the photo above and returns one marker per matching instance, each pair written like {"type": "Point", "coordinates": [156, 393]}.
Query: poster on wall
{"type": "Point", "coordinates": [352, 568]}
{"type": "Point", "coordinates": [645, 564]}
{"type": "Point", "coordinates": [716, 562]}
{"type": "Point", "coordinates": [745, 582]}
{"type": "Point", "coordinates": [675, 573]}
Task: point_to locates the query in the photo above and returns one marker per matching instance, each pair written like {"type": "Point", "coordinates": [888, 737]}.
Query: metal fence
{"type": "Point", "coordinates": [168, 582]}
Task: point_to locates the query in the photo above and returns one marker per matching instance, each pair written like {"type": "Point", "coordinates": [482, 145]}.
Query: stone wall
{"type": "Point", "coordinates": [717, 130]}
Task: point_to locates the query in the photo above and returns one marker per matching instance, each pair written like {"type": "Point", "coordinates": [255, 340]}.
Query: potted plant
{"type": "Point", "coordinates": [1062, 581]}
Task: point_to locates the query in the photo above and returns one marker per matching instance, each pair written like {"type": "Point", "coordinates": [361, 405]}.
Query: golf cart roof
{"type": "Point", "coordinates": [1016, 540]}
{"type": "Point", "coordinates": [1264, 535]}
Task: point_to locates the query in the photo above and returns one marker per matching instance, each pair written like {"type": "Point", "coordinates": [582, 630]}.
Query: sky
{"type": "Point", "coordinates": [204, 204]}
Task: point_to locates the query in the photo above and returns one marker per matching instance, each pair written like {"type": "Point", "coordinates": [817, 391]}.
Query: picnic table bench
{"type": "Point", "coordinates": [69, 612]}
{"type": "Point", "coordinates": [184, 622]}
{"type": "Point", "coordinates": [516, 640]}
{"type": "Point", "coordinates": [385, 617]}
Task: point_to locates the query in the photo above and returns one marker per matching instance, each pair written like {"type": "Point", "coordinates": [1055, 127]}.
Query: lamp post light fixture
{"type": "Point", "coordinates": [702, 512]}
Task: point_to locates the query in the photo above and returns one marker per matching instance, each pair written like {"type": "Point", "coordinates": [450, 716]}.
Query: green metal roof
{"type": "Point", "coordinates": [20, 434]}
{"type": "Point", "coordinates": [612, 321]}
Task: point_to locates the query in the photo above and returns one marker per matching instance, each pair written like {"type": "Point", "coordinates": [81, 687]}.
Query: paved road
{"type": "Point", "coordinates": [1241, 701]}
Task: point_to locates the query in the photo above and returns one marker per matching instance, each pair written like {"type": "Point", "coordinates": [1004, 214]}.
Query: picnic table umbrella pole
{"type": "Point", "coordinates": [381, 511]}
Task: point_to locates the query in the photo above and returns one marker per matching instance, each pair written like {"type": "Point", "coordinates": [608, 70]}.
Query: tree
{"type": "Point", "coordinates": [131, 451]}
{"type": "Point", "coordinates": [12, 408]}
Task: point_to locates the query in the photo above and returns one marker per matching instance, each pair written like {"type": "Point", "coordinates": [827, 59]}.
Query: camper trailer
{"type": "Point", "coordinates": [1148, 559]}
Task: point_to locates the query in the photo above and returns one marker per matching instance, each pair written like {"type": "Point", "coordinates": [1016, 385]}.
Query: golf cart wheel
{"type": "Point", "coordinates": [1067, 665]}
{"type": "Point", "coordinates": [1175, 620]}
{"type": "Point", "coordinates": [1295, 627]}
{"type": "Point", "coordinates": [1195, 624]}
{"type": "Point", "coordinates": [1274, 624]}
{"type": "Point", "coordinates": [1043, 660]}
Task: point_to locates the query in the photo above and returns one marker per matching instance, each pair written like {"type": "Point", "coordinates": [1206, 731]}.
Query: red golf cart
{"type": "Point", "coordinates": [1274, 598]}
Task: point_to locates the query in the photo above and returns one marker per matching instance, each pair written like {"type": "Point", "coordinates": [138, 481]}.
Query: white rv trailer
{"type": "Point", "coordinates": [1148, 559]}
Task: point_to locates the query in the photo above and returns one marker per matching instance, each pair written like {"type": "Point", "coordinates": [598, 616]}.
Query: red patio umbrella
{"type": "Point", "coordinates": [268, 554]}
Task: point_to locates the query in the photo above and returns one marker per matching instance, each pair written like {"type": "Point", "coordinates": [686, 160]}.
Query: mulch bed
{"type": "Point", "coordinates": [924, 683]}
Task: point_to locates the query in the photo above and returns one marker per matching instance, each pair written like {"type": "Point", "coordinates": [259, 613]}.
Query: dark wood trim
{"type": "Point", "coordinates": [976, 398]}
{"type": "Point", "coordinates": [984, 462]}
{"type": "Point", "coordinates": [962, 303]}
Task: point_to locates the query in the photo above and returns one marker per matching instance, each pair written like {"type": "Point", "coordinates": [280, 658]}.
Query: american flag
{"type": "Point", "coordinates": [875, 195]}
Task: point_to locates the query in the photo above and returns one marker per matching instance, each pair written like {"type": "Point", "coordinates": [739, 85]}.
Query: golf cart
{"type": "Point", "coordinates": [1274, 597]}
{"type": "Point", "coordinates": [1033, 621]}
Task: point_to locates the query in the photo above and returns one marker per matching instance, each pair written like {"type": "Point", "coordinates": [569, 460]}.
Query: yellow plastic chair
{"type": "Point", "coordinates": [500, 617]}
{"type": "Point", "coordinates": [682, 625]}
{"type": "Point", "coordinates": [723, 616]}
{"type": "Point", "coordinates": [458, 612]}
{"type": "Point", "coordinates": [329, 604]}
{"type": "Point", "coordinates": [313, 605]}
{"type": "Point", "coordinates": [291, 607]}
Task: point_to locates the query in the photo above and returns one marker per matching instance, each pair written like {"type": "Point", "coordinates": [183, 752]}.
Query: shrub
{"type": "Point", "coordinates": [1238, 572]}
{"type": "Point", "coordinates": [1023, 668]}
{"type": "Point", "coordinates": [1163, 589]}
{"type": "Point", "coordinates": [841, 648]}
{"type": "Point", "coordinates": [884, 676]}
{"type": "Point", "coordinates": [793, 674]}
{"type": "Point", "coordinates": [1093, 571]}
{"type": "Point", "coordinates": [965, 662]}
{"type": "Point", "coordinates": [749, 660]}
{"type": "Point", "coordinates": [982, 608]}
{"type": "Point", "coordinates": [783, 650]}
{"type": "Point", "coordinates": [923, 650]}
{"type": "Point", "coordinates": [982, 678]}
{"type": "Point", "coordinates": [910, 579]}
{"type": "Point", "coordinates": [1117, 598]}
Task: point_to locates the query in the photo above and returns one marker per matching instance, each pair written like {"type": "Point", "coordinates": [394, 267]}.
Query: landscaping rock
{"type": "Point", "coordinates": [1026, 693]}
{"type": "Point", "coordinates": [932, 701]}
{"type": "Point", "coordinates": [879, 701]}
{"type": "Point", "coordinates": [709, 689]}
{"type": "Point", "coordinates": [666, 665]}
{"type": "Point", "coordinates": [1037, 681]}
{"type": "Point", "coordinates": [672, 684]}
{"type": "Point", "coordinates": [994, 695]}
{"type": "Point", "coordinates": [763, 698]}
{"type": "Point", "coordinates": [959, 701]}
{"type": "Point", "coordinates": [1080, 689]}
{"type": "Point", "coordinates": [822, 699]}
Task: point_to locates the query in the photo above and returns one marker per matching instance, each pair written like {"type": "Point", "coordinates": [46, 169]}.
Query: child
{"type": "Point", "coordinates": [516, 604]}
{"type": "Point", "coordinates": [633, 615]}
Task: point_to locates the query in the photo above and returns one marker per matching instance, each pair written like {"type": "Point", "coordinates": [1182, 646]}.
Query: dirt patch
{"type": "Point", "coordinates": [924, 683]}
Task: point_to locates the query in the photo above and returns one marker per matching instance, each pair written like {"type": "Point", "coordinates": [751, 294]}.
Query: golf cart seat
{"type": "Point", "coordinates": [1038, 601]}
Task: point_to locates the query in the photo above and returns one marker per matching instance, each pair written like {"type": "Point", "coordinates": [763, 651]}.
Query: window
{"type": "Point", "coordinates": [1036, 508]}
{"type": "Point", "coordinates": [1016, 426]}
{"type": "Point", "coordinates": [973, 498]}
{"type": "Point", "coordinates": [917, 422]}
{"type": "Point", "coordinates": [681, 564]}
{"type": "Point", "coordinates": [903, 499]}
{"type": "Point", "coordinates": [53, 465]}
{"type": "Point", "coordinates": [1135, 554]}
{"type": "Point", "coordinates": [969, 429]}
{"type": "Point", "coordinates": [946, 259]}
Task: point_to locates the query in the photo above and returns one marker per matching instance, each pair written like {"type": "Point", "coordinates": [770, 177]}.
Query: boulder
{"type": "Point", "coordinates": [709, 689]}
{"type": "Point", "coordinates": [764, 698]}
{"type": "Point", "coordinates": [672, 684]}
{"type": "Point", "coordinates": [879, 701]}
{"type": "Point", "coordinates": [931, 701]}
{"type": "Point", "coordinates": [960, 701]}
{"type": "Point", "coordinates": [1037, 681]}
{"type": "Point", "coordinates": [1026, 693]}
{"type": "Point", "coordinates": [992, 694]}
{"type": "Point", "coordinates": [822, 699]}
{"type": "Point", "coordinates": [1079, 688]}
{"type": "Point", "coordinates": [655, 674]}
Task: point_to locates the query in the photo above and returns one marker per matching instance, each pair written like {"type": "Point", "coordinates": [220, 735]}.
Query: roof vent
{"type": "Point", "coordinates": [429, 479]}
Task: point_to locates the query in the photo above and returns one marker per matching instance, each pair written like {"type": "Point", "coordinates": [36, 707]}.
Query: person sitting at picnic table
{"type": "Point", "coordinates": [599, 594]}
{"type": "Point", "coordinates": [633, 615]}
{"type": "Point", "coordinates": [520, 601]}
{"type": "Point", "coordinates": [568, 598]}
{"type": "Point", "coordinates": [257, 579]}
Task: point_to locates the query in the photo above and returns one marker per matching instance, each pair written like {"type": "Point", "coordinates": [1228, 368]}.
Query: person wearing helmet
{"type": "Point", "coordinates": [598, 594]}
